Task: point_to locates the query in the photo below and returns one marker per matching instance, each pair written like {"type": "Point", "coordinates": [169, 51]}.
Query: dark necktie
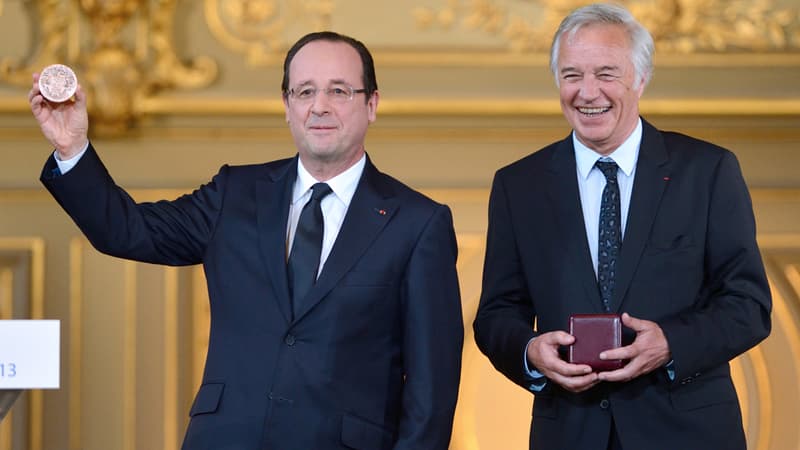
{"type": "Point", "coordinates": [304, 258]}
{"type": "Point", "coordinates": [610, 233]}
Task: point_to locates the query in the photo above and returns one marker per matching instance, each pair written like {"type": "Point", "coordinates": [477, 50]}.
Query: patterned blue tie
{"type": "Point", "coordinates": [610, 234]}
{"type": "Point", "coordinates": [304, 258]}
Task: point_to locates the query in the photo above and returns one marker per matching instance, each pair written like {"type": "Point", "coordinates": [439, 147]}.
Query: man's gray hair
{"type": "Point", "coordinates": [641, 42]}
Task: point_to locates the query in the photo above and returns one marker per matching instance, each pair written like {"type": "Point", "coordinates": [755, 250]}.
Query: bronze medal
{"type": "Point", "coordinates": [57, 83]}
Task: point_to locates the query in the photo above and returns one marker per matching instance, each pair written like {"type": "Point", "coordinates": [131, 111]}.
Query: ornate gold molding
{"type": "Point", "coordinates": [116, 75]}
{"type": "Point", "coordinates": [497, 58]}
{"type": "Point", "coordinates": [34, 249]}
{"type": "Point", "coordinates": [257, 27]}
{"type": "Point", "coordinates": [723, 107]}
{"type": "Point", "coordinates": [678, 26]}
{"type": "Point", "coordinates": [171, 357]}
{"type": "Point", "coordinates": [74, 400]}
{"type": "Point", "coordinates": [53, 21]}
{"type": "Point", "coordinates": [6, 312]}
{"type": "Point", "coordinates": [130, 344]}
{"type": "Point", "coordinates": [487, 107]}
{"type": "Point", "coordinates": [126, 57]}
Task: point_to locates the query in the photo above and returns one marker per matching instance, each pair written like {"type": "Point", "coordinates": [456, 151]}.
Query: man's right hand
{"type": "Point", "coordinates": [65, 125]}
{"type": "Point", "coordinates": [543, 355]}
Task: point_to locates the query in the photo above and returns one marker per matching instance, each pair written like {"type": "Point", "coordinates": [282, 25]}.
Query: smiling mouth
{"type": "Point", "coordinates": [595, 111]}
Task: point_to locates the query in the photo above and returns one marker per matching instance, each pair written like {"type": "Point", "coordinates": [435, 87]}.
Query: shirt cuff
{"type": "Point", "coordinates": [66, 165]}
{"type": "Point", "coordinates": [536, 380]}
{"type": "Point", "coordinates": [670, 367]}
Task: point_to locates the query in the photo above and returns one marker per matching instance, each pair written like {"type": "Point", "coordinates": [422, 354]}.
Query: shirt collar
{"type": "Point", "coordinates": [343, 185]}
{"type": "Point", "coordinates": [625, 155]}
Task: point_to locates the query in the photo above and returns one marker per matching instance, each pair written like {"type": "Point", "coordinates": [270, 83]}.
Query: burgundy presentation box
{"type": "Point", "coordinates": [595, 333]}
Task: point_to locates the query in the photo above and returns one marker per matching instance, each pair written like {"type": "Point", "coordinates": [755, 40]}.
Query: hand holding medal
{"type": "Point", "coordinates": [59, 105]}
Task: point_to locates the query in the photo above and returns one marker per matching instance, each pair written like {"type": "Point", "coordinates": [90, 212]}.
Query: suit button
{"type": "Point", "coordinates": [604, 404]}
{"type": "Point", "coordinates": [289, 339]}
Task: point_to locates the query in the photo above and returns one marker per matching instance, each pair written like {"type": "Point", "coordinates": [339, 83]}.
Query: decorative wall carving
{"type": "Point", "coordinates": [257, 27]}
{"type": "Point", "coordinates": [125, 53]}
{"type": "Point", "coordinates": [681, 26]}
{"type": "Point", "coordinates": [116, 74]}
{"type": "Point", "coordinates": [53, 21]}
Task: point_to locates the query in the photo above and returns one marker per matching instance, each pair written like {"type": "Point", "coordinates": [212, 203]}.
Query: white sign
{"type": "Point", "coordinates": [29, 354]}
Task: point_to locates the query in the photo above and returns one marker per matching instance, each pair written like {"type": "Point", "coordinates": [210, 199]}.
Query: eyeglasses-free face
{"type": "Point", "coordinates": [598, 86]}
{"type": "Point", "coordinates": [338, 93]}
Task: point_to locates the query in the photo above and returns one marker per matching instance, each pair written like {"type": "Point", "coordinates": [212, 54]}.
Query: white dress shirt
{"type": "Point", "coordinates": [67, 164]}
{"type": "Point", "coordinates": [334, 205]}
{"type": "Point", "coordinates": [591, 183]}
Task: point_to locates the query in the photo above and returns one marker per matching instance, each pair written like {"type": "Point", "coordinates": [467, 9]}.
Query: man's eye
{"type": "Point", "coordinates": [306, 92]}
{"type": "Point", "coordinates": [338, 91]}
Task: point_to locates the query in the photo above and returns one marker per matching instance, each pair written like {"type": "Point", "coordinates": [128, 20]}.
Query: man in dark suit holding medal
{"type": "Point", "coordinates": [621, 218]}
{"type": "Point", "coordinates": [335, 308]}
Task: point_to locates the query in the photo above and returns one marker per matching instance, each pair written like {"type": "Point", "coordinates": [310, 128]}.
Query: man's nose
{"type": "Point", "coordinates": [589, 88]}
{"type": "Point", "coordinates": [321, 103]}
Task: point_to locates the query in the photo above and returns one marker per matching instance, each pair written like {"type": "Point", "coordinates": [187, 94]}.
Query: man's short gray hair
{"type": "Point", "coordinates": [641, 42]}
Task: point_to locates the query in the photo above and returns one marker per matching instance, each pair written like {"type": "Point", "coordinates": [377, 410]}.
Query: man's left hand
{"type": "Point", "coordinates": [648, 352]}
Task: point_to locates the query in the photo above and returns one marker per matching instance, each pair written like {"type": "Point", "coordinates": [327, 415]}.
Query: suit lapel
{"type": "Point", "coordinates": [371, 208]}
{"type": "Point", "coordinates": [273, 197]}
{"type": "Point", "coordinates": [652, 175]}
{"type": "Point", "coordinates": [566, 201]}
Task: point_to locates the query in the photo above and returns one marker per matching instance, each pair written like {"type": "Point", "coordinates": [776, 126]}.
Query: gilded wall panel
{"type": "Point", "coordinates": [22, 297]}
{"type": "Point", "coordinates": [127, 368]}
{"type": "Point", "coordinates": [136, 335]}
{"type": "Point", "coordinates": [144, 59]}
{"type": "Point", "coordinates": [144, 336]}
{"type": "Point", "coordinates": [677, 26]}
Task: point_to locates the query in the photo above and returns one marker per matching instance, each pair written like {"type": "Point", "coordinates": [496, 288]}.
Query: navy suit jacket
{"type": "Point", "coordinates": [689, 262]}
{"type": "Point", "coordinates": [372, 363]}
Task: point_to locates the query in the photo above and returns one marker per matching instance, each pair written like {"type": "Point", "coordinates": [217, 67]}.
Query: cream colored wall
{"type": "Point", "coordinates": [463, 93]}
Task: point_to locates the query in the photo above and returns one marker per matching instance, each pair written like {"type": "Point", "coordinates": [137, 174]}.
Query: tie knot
{"type": "Point", "coordinates": [319, 191]}
{"type": "Point", "coordinates": [609, 169]}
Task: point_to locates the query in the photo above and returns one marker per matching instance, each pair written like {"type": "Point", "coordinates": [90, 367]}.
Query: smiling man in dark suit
{"type": "Point", "coordinates": [335, 308]}
{"type": "Point", "coordinates": [622, 218]}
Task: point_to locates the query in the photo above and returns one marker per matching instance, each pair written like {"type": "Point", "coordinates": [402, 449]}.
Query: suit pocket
{"type": "Point", "coordinates": [663, 245]}
{"type": "Point", "coordinates": [367, 278]}
{"type": "Point", "coordinates": [207, 399]}
{"type": "Point", "coordinates": [545, 406]}
{"type": "Point", "coordinates": [362, 435]}
{"type": "Point", "coordinates": [703, 392]}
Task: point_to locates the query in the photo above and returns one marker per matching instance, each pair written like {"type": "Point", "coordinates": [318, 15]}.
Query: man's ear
{"type": "Point", "coordinates": [372, 106]}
